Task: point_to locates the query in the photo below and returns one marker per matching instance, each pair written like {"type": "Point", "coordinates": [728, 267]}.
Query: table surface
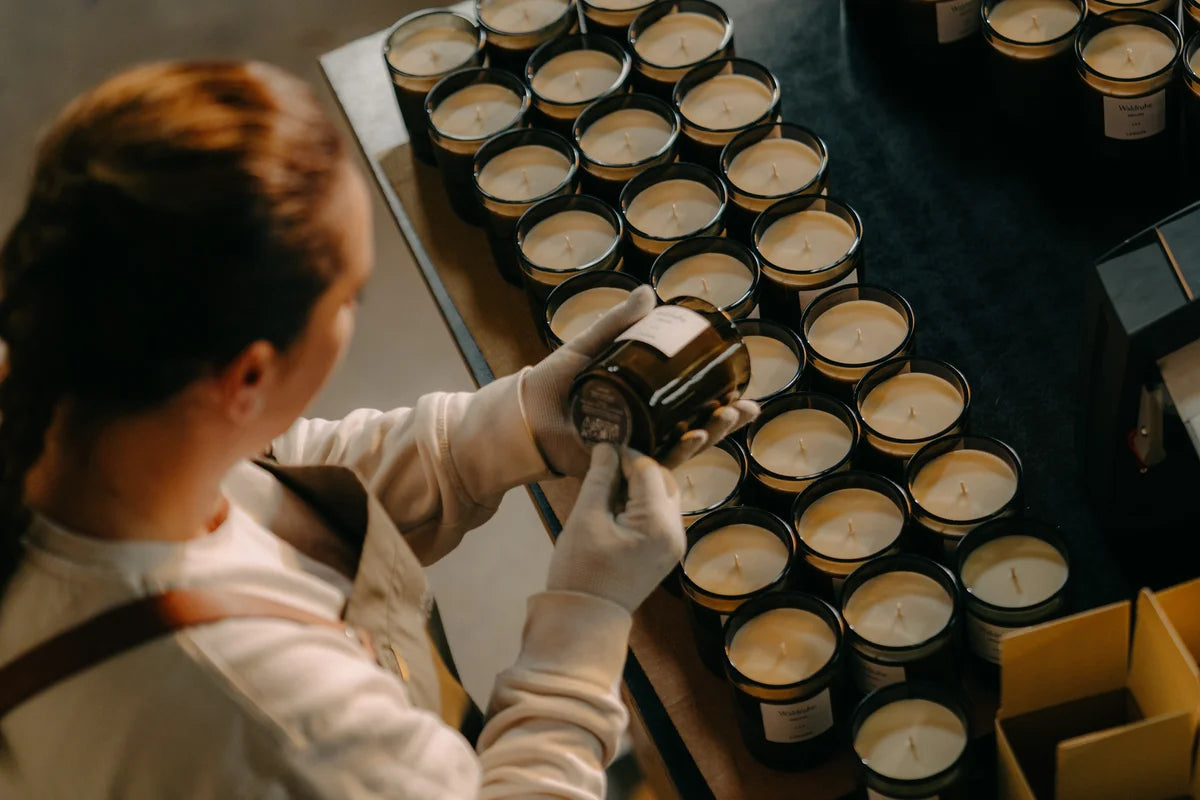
{"type": "Point", "coordinates": [989, 237]}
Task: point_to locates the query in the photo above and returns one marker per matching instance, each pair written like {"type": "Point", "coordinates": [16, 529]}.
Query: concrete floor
{"type": "Point", "coordinates": [53, 49]}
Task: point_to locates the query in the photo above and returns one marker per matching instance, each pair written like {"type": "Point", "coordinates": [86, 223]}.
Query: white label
{"type": "Point", "coordinates": [985, 638]}
{"type": "Point", "coordinates": [724, 619]}
{"type": "Point", "coordinates": [1135, 117]}
{"type": "Point", "coordinates": [797, 722]}
{"type": "Point", "coordinates": [668, 329]}
{"type": "Point", "coordinates": [871, 676]}
{"type": "Point", "coordinates": [808, 296]}
{"type": "Point", "coordinates": [874, 795]}
{"type": "Point", "coordinates": [956, 19]}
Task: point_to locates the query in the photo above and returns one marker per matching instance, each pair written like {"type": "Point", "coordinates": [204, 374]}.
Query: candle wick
{"type": "Point", "coordinates": [704, 285]}
{"type": "Point", "coordinates": [807, 243]}
{"type": "Point", "coordinates": [683, 42]}
{"type": "Point", "coordinates": [1035, 22]}
{"type": "Point", "coordinates": [567, 239]}
{"type": "Point", "coordinates": [578, 81]}
{"type": "Point", "coordinates": [913, 747]}
{"type": "Point", "coordinates": [478, 114]}
{"type": "Point", "coordinates": [783, 650]}
{"type": "Point", "coordinates": [725, 106]}
{"type": "Point", "coordinates": [802, 450]}
{"type": "Point", "coordinates": [899, 610]}
{"type": "Point", "coordinates": [1013, 572]}
{"type": "Point", "coordinates": [737, 562]}
{"type": "Point", "coordinates": [912, 412]}
{"type": "Point", "coordinates": [690, 484]}
{"type": "Point", "coordinates": [1129, 54]}
{"type": "Point", "coordinates": [850, 527]}
{"type": "Point", "coordinates": [524, 176]}
{"type": "Point", "coordinates": [774, 170]}
{"type": "Point", "coordinates": [628, 141]}
{"type": "Point", "coordinates": [525, 11]}
{"type": "Point", "coordinates": [858, 335]}
{"type": "Point", "coordinates": [963, 486]}
{"type": "Point", "coordinates": [675, 211]}
{"type": "Point", "coordinates": [433, 55]}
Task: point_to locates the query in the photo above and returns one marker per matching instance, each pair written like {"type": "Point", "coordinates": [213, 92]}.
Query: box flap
{"type": "Point", "coordinates": [1180, 603]}
{"type": "Point", "coordinates": [1162, 673]}
{"type": "Point", "coordinates": [1149, 760]}
{"type": "Point", "coordinates": [1010, 778]}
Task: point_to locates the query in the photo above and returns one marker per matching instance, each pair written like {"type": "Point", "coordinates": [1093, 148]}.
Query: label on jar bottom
{"type": "Point", "coordinates": [668, 329]}
{"type": "Point", "coordinates": [870, 676]}
{"type": "Point", "coordinates": [956, 19]}
{"type": "Point", "coordinates": [874, 795]}
{"type": "Point", "coordinates": [984, 638]}
{"type": "Point", "coordinates": [1135, 117]}
{"type": "Point", "coordinates": [787, 723]}
{"type": "Point", "coordinates": [807, 296]}
{"type": "Point", "coordinates": [601, 414]}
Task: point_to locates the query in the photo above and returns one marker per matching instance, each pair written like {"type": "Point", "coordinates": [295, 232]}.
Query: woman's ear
{"type": "Point", "coordinates": [243, 384]}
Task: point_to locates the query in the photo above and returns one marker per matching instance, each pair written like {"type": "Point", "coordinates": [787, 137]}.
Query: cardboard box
{"type": "Point", "coordinates": [1085, 715]}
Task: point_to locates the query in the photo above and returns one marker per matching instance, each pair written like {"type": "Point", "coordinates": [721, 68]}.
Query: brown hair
{"type": "Point", "coordinates": [173, 219]}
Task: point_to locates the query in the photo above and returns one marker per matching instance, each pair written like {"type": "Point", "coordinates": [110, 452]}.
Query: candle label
{"type": "Point", "coordinates": [985, 638]}
{"type": "Point", "coordinates": [806, 296]}
{"type": "Point", "coordinates": [797, 722]}
{"type": "Point", "coordinates": [956, 19]}
{"type": "Point", "coordinates": [874, 795]}
{"type": "Point", "coordinates": [870, 675]}
{"type": "Point", "coordinates": [1135, 117]}
{"type": "Point", "coordinates": [603, 414]}
{"type": "Point", "coordinates": [668, 329]}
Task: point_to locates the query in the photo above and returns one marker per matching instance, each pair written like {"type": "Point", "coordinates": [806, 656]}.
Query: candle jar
{"type": "Point", "coordinates": [806, 244]}
{"type": "Point", "coordinates": [569, 73]}
{"type": "Point", "coordinates": [512, 171]}
{"type": "Point", "coordinates": [669, 38]}
{"type": "Point", "coordinates": [843, 521]}
{"type": "Point", "coordinates": [713, 268]}
{"type": "Point", "coordinates": [612, 17]}
{"type": "Point", "coordinates": [618, 137]}
{"type": "Point", "coordinates": [1014, 574]}
{"type": "Point", "coordinates": [661, 378]}
{"type": "Point", "coordinates": [783, 657]}
{"type": "Point", "coordinates": [906, 403]}
{"type": "Point", "coordinates": [577, 302]}
{"type": "Point", "coordinates": [796, 439]}
{"type": "Point", "coordinates": [902, 617]}
{"type": "Point", "coordinates": [937, 32]}
{"type": "Point", "coordinates": [1191, 115]}
{"type": "Point", "coordinates": [711, 479]}
{"type": "Point", "coordinates": [777, 359]}
{"type": "Point", "coordinates": [956, 484]}
{"type": "Point", "coordinates": [462, 111]}
{"type": "Point", "coordinates": [1190, 12]}
{"type": "Point", "coordinates": [719, 99]}
{"type": "Point", "coordinates": [1164, 7]}
{"type": "Point", "coordinates": [912, 740]}
{"type": "Point", "coordinates": [419, 51]}
{"type": "Point", "coordinates": [669, 204]}
{"type": "Point", "coordinates": [561, 237]}
{"type": "Point", "coordinates": [515, 28]}
{"type": "Point", "coordinates": [768, 163]}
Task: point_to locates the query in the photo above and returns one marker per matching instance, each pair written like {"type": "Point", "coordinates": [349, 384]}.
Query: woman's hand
{"type": "Point", "coordinates": [547, 385]}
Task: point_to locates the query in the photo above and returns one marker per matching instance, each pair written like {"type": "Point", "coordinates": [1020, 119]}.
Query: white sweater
{"type": "Point", "coordinates": [269, 708]}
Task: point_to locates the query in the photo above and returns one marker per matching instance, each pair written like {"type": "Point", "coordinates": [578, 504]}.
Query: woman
{"type": "Point", "coordinates": [182, 281]}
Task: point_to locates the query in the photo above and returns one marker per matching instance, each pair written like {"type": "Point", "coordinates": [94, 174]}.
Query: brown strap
{"type": "Point", "coordinates": [123, 628]}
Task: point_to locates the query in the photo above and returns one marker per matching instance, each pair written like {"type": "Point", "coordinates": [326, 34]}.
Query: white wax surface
{"type": "Point", "coordinates": [433, 51]}
{"type": "Point", "coordinates": [521, 16]}
{"type": "Point", "coordinates": [579, 311]}
{"type": "Point", "coordinates": [773, 365]}
{"type": "Point", "coordinates": [988, 481]}
{"type": "Point", "coordinates": [911, 739]}
{"type": "Point", "coordinates": [1014, 571]}
{"type": "Point", "coordinates": [1195, 61]}
{"type": "Point", "coordinates": [707, 480]}
{"type": "Point", "coordinates": [898, 609]}
{"type": "Point", "coordinates": [857, 332]}
{"type": "Point", "coordinates": [524, 172]}
{"type": "Point", "coordinates": [673, 209]}
{"type": "Point", "coordinates": [477, 111]}
{"type": "Point", "coordinates": [914, 405]}
{"type": "Point", "coordinates": [761, 559]}
{"type": "Point", "coordinates": [807, 240]}
{"type": "Point", "coordinates": [680, 38]}
{"type": "Point", "coordinates": [618, 5]}
{"type": "Point", "coordinates": [801, 442]}
{"type": "Point", "coordinates": [576, 76]}
{"type": "Point", "coordinates": [774, 167]}
{"type": "Point", "coordinates": [1129, 51]}
{"type": "Point", "coordinates": [718, 278]}
{"type": "Point", "coordinates": [782, 646]}
{"type": "Point", "coordinates": [1033, 21]}
{"type": "Point", "coordinates": [850, 524]}
{"type": "Point", "coordinates": [725, 102]}
{"type": "Point", "coordinates": [569, 240]}
{"type": "Point", "coordinates": [625, 137]}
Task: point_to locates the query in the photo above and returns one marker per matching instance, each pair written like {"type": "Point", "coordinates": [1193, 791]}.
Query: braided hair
{"type": "Point", "coordinates": [176, 215]}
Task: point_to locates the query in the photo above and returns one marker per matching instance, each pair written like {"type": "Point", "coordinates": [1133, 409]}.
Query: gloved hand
{"type": "Point", "coordinates": [619, 555]}
{"type": "Point", "coordinates": [546, 385]}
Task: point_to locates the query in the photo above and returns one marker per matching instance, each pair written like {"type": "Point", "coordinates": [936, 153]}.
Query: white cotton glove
{"type": "Point", "coordinates": [546, 386]}
{"type": "Point", "coordinates": [619, 542]}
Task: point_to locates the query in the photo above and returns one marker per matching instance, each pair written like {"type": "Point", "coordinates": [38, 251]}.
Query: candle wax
{"type": "Point", "coordinates": [1033, 21]}
{"type": "Point", "coordinates": [619, 5]}
{"type": "Point", "coordinates": [680, 38]}
{"type": "Point", "coordinates": [773, 365]}
{"type": "Point", "coordinates": [782, 646]}
{"type": "Point", "coordinates": [433, 51]}
{"type": "Point", "coordinates": [914, 405]}
{"type": "Point", "coordinates": [924, 609]}
{"type": "Point", "coordinates": [726, 102]}
{"type": "Point", "coordinates": [850, 524]}
{"type": "Point", "coordinates": [716, 277]}
{"type": "Point", "coordinates": [477, 111]}
{"type": "Point", "coordinates": [569, 240]}
{"type": "Point", "coordinates": [778, 447]}
{"type": "Point", "coordinates": [673, 209]}
{"type": "Point", "coordinates": [857, 332]}
{"type": "Point", "coordinates": [579, 311]}
{"type": "Point", "coordinates": [774, 167]}
{"type": "Point", "coordinates": [706, 480]}
{"type": "Point", "coordinates": [1195, 61]}
{"type": "Point", "coordinates": [989, 481]}
{"type": "Point", "coordinates": [576, 76]}
{"type": "Point", "coordinates": [911, 739]}
{"type": "Point", "coordinates": [626, 137]}
{"type": "Point", "coordinates": [524, 172]}
{"type": "Point", "coordinates": [521, 16]}
{"type": "Point", "coordinates": [1014, 571]}
{"type": "Point", "coordinates": [807, 240]}
{"type": "Point", "coordinates": [761, 559]}
{"type": "Point", "coordinates": [1129, 51]}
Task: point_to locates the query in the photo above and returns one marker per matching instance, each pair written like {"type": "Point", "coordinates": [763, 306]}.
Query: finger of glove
{"type": "Point", "coordinates": [600, 482]}
{"type": "Point", "coordinates": [644, 477]}
{"type": "Point", "coordinates": [724, 421]}
{"type": "Point", "coordinates": [616, 321]}
{"type": "Point", "coordinates": [689, 445]}
{"type": "Point", "coordinates": [747, 411]}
